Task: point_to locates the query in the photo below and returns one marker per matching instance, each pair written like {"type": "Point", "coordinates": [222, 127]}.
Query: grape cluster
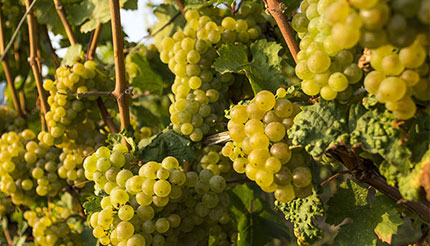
{"type": "Point", "coordinates": [29, 168]}
{"type": "Point", "coordinates": [329, 30]}
{"type": "Point", "coordinates": [157, 204]}
{"type": "Point", "coordinates": [11, 12]}
{"type": "Point", "coordinates": [260, 149]}
{"type": "Point", "coordinates": [334, 34]}
{"type": "Point", "coordinates": [214, 160]}
{"type": "Point", "coordinates": [72, 120]}
{"type": "Point", "coordinates": [11, 121]}
{"type": "Point", "coordinates": [201, 92]}
{"type": "Point", "coordinates": [50, 227]}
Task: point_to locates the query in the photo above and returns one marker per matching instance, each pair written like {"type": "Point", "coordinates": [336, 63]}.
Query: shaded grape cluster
{"type": "Point", "coordinates": [260, 144]}
{"type": "Point", "coordinates": [214, 160]}
{"type": "Point", "coordinates": [49, 226]}
{"type": "Point", "coordinates": [11, 121]}
{"type": "Point", "coordinates": [156, 203]}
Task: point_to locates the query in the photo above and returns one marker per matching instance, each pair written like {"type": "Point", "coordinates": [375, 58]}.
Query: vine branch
{"type": "Point", "coordinates": [8, 238]}
{"type": "Point", "coordinates": [181, 6]}
{"type": "Point", "coordinates": [277, 9]}
{"type": "Point", "coordinates": [365, 172]}
{"type": "Point", "coordinates": [121, 84]}
{"type": "Point", "coordinates": [107, 118]}
{"type": "Point", "coordinates": [8, 74]}
{"type": "Point", "coordinates": [93, 44]}
{"type": "Point", "coordinates": [32, 58]}
{"type": "Point", "coordinates": [128, 91]}
{"type": "Point", "coordinates": [362, 170]}
{"type": "Point", "coordinates": [62, 14]}
{"type": "Point", "coordinates": [15, 34]}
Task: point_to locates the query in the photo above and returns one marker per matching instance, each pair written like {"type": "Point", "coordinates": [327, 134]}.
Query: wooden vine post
{"type": "Point", "coordinates": [8, 74]}
{"type": "Point", "coordinates": [121, 84]}
{"type": "Point", "coordinates": [32, 58]}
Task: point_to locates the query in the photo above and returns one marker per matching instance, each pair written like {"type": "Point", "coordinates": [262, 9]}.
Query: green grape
{"type": "Point", "coordinates": [162, 225]}
{"type": "Point", "coordinates": [119, 196]}
{"type": "Point", "coordinates": [373, 81]}
{"type": "Point", "coordinates": [338, 82]}
{"type": "Point", "coordinates": [310, 87]}
{"type": "Point", "coordinates": [124, 230]}
{"type": "Point", "coordinates": [318, 62]}
{"type": "Point", "coordinates": [145, 212]}
{"type": "Point", "coordinates": [391, 89]}
{"type": "Point", "coordinates": [162, 188]}
{"type": "Point", "coordinates": [275, 131]}
{"type": "Point", "coordinates": [301, 177]}
{"type": "Point", "coordinates": [265, 100]}
{"type": "Point", "coordinates": [284, 193]}
{"type": "Point", "coordinates": [126, 212]}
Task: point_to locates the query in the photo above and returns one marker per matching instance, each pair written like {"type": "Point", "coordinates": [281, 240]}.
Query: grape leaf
{"type": "Point", "coordinates": [46, 14]}
{"type": "Point", "coordinates": [165, 144]}
{"type": "Point", "coordinates": [168, 15]}
{"type": "Point", "coordinates": [92, 205]}
{"type": "Point", "coordinates": [197, 4]}
{"type": "Point", "coordinates": [350, 201]}
{"type": "Point", "coordinates": [89, 13]}
{"type": "Point", "coordinates": [263, 71]}
{"type": "Point", "coordinates": [302, 212]}
{"type": "Point", "coordinates": [72, 52]}
{"type": "Point", "coordinates": [255, 220]}
{"type": "Point", "coordinates": [146, 79]}
{"type": "Point", "coordinates": [87, 237]}
{"type": "Point", "coordinates": [374, 130]}
{"type": "Point", "coordinates": [128, 4]}
{"type": "Point", "coordinates": [318, 126]}
{"type": "Point", "coordinates": [232, 58]}
{"type": "Point", "coordinates": [418, 135]}
{"type": "Point", "coordinates": [391, 220]}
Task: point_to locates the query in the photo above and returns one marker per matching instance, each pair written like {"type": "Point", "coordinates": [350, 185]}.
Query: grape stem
{"type": "Point", "coordinates": [334, 176]}
{"type": "Point", "coordinates": [181, 6]}
{"type": "Point", "coordinates": [107, 118]}
{"type": "Point", "coordinates": [93, 44]}
{"type": "Point", "coordinates": [364, 171]}
{"type": "Point", "coordinates": [21, 93]}
{"type": "Point", "coordinates": [7, 236]}
{"type": "Point", "coordinates": [128, 91]}
{"type": "Point", "coordinates": [33, 59]}
{"type": "Point", "coordinates": [277, 9]}
{"type": "Point", "coordinates": [8, 73]}
{"type": "Point", "coordinates": [62, 14]}
{"type": "Point", "coordinates": [73, 192]}
{"type": "Point", "coordinates": [121, 84]}
{"type": "Point", "coordinates": [18, 27]}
